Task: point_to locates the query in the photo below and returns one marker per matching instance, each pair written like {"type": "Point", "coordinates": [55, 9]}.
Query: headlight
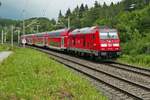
{"type": "Point", "coordinates": [103, 45]}
{"type": "Point", "coordinates": [116, 45]}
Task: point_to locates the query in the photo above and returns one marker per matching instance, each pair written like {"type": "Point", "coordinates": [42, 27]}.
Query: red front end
{"type": "Point", "coordinates": [95, 41]}
{"type": "Point", "coordinates": [109, 42]}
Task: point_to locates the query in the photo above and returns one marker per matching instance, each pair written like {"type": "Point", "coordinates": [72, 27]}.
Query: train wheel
{"type": "Point", "coordinates": [93, 57]}
{"type": "Point", "coordinates": [82, 54]}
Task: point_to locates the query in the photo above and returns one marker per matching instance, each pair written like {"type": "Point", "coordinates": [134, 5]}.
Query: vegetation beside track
{"type": "Point", "coordinates": [137, 60]}
{"type": "Point", "coordinates": [135, 36]}
{"type": "Point", "coordinates": [5, 47]}
{"type": "Point", "coordinates": [29, 74]}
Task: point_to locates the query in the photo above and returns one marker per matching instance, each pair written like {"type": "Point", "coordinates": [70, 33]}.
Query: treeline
{"type": "Point", "coordinates": [83, 16]}
{"type": "Point", "coordinates": [36, 25]}
{"type": "Point", "coordinates": [32, 25]}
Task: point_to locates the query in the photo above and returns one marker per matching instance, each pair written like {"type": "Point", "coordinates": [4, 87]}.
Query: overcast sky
{"type": "Point", "coordinates": [41, 8]}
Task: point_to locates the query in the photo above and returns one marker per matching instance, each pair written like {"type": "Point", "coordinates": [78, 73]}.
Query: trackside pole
{"type": "Point", "coordinates": [12, 39]}
{"type": "Point", "coordinates": [18, 37]}
{"type": "Point", "coordinates": [2, 36]}
{"type": "Point", "coordinates": [5, 37]}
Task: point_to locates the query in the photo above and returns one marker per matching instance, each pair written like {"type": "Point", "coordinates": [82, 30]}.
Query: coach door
{"type": "Point", "coordinates": [46, 40]}
{"type": "Point", "coordinates": [62, 42]}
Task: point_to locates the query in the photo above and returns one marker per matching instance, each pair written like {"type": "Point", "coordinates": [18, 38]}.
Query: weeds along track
{"type": "Point", "coordinates": [121, 82]}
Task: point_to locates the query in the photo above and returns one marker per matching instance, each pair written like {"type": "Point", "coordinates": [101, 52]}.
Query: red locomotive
{"type": "Point", "coordinates": [93, 41]}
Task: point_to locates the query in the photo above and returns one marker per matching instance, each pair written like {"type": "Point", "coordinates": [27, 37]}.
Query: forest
{"type": "Point", "coordinates": [130, 17]}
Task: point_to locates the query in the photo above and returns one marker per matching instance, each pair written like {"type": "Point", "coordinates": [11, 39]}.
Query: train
{"type": "Point", "coordinates": [96, 41]}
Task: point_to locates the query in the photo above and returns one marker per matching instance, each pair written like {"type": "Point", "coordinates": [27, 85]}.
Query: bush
{"type": "Point", "coordinates": [140, 60]}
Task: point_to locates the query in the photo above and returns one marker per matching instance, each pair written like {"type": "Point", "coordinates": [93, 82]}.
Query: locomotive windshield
{"type": "Point", "coordinates": [108, 35]}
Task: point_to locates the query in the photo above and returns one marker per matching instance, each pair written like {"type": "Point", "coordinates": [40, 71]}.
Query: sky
{"type": "Point", "coordinates": [22, 9]}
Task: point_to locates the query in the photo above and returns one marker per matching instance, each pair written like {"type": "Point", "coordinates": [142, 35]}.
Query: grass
{"type": "Point", "coordinates": [5, 47]}
{"type": "Point", "coordinates": [137, 60]}
{"type": "Point", "coordinates": [30, 75]}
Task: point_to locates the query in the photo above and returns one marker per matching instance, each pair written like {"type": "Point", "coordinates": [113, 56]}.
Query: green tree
{"type": "Point", "coordinates": [96, 4]}
{"type": "Point", "coordinates": [104, 5]}
{"type": "Point", "coordinates": [68, 12]}
{"type": "Point", "coordinates": [81, 10]}
{"type": "Point", "coordinates": [60, 14]}
{"type": "Point", "coordinates": [86, 7]}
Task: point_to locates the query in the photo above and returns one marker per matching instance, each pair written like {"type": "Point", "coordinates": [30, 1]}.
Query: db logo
{"type": "Point", "coordinates": [109, 45]}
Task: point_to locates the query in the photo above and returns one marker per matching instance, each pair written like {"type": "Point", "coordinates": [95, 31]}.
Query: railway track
{"type": "Point", "coordinates": [122, 82]}
{"type": "Point", "coordinates": [131, 68]}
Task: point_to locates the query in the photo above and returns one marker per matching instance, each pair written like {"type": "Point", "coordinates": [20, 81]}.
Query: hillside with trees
{"type": "Point", "coordinates": [32, 25]}
{"type": "Point", "coordinates": [130, 17]}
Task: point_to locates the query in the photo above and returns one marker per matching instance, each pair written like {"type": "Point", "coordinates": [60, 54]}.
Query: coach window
{"type": "Point", "coordinates": [84, 41]}
{"type": "Point", "coordinates": [74, 39]}
{"type": "Point", "coordinates": [86, 44]}
{"type": "Point", "coordinates": [93, 37]}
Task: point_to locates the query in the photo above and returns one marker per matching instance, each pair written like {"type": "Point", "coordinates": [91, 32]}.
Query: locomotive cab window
{"type": "Point", "coordinates": [113, 35]}
{"type": "Point", "coordinates": [109, 35]}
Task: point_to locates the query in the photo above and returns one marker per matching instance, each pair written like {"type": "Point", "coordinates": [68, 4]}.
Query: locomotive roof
{"type": "Point", "coordinates": [87, 30]}
{"type": "Point", "coordinates": [39, 34]}
{"type": "Point", "coordinates": [108, 30]}
{"type": "Point", "coordinates": [82, 30]}
{"type": "Point", "coordinates": [58, 32]}
{"type": "Point", "coordinates": [55, 32]}
{"type": "Point", "coordinates": [28, 35]}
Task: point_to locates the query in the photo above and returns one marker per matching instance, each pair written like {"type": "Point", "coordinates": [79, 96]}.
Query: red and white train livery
{"type": "Point", "coordinates": [94, 41]}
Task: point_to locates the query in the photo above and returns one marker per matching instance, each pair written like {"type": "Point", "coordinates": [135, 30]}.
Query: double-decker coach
{"type": "Point", "coordinates": [58, 39]}
{"type": "Point", "coordinates": [55, 39]}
